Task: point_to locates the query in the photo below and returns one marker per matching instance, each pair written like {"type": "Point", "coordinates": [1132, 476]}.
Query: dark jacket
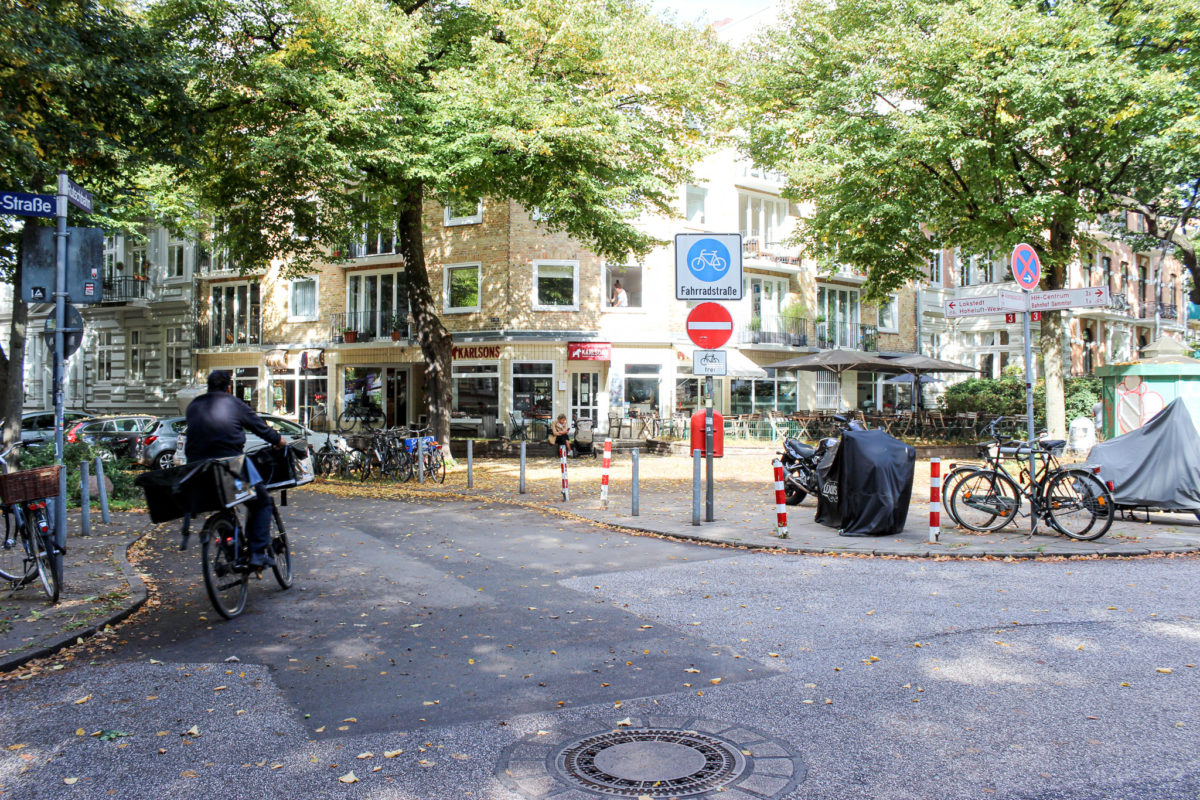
{"type": "Point", "coordinates": [216, 422]}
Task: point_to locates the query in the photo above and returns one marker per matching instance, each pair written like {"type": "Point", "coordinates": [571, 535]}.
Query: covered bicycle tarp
{"type": "Point", "coordinates": [866, 484]}
{"type": "Point", "coordinates": [1156, 465]}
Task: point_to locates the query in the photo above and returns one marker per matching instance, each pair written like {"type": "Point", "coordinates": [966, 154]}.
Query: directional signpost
{"type": "Point", "coordinates": [1027, 270]}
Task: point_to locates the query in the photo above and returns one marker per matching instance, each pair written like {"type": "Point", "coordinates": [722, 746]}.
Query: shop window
{"type": "Point", "coordinates": [302, 300]}
{"type": "Point", "coordinates": [533, 388]}
{"type": "Point", "coordinates": [760, 395]}
{"type": "Point", "coordinates": [300, 394]}
{"type": "Point", "coordinates": [642, 387]}
{"type": "Point", "coordinates": [689, 394]}
{"type": "Point", "coordinates": [245, 385]}
{"type": "Point", "coordinates": [461, 287]}
{"type": "Point", "coordinates": [630, 278]}
{"type": "Point", "coordinates": [555, 285]}
{"type": "Point", "coordinates": [362, 383]}
{"type": "Point", "coordinates": [475, 389]}
{"type": "Point", "coordinates": [463, 211]}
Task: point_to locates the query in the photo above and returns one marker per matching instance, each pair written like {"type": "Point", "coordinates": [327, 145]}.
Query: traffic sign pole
{"type": "Point", "coordinates": [708, 448]}
{"type": "Point", "coordinates": [1027, 269]}
{"type": "Point", "coordinates": [60, 323]}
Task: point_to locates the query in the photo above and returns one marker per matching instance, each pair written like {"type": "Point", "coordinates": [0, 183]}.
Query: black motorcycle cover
{"type": "Point", "coordinates": [866, 484]}
{"type": "Point", "coordinates": [1157, 465]}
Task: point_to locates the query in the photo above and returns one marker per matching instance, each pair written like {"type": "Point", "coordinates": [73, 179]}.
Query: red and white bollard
{"type": "Point", "coordinates": [780, 501]}
{"type": "Point", "coordinates": [935, 499]}
{"type": "Point", "coordinates": [562, 455]}
{"type": "Point", "coordinates": [604, 473]}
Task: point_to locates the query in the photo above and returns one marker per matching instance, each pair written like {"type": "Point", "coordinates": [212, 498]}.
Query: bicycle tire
{"type": "Point", "coordinates": [15, 565]}
{"type": "Point", "coordinates": [405, 466]}
{"type": "Point", "coordinates": [372, 466]}
{"type": "Point", "coordinates": [985, 500]}
{"type": "Point", "coordinates": [949, 482]}
{"type": "Point", "coordinates": [281, 551]}
{"type": "Point", "coordinates": [372, 419]}
{"type": "Point", "coordinates": [435, 466]}
{"type": "Point", "coordinates": [43, 550]}
{"type": "Point", "coordinates": [356, 462]}
{"type": "Point", "coordinates": [1078, 505]}
{"type": "Point", "coordinates": [226, 587]}
{"type": "Point", "coordinates": [346, 420]}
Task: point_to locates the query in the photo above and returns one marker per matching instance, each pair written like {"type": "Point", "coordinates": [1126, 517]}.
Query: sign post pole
{"type": "Point", "coordinates": [1027, 270]}
{"type": "Point", "coordinates": [60, 323]}
{"type": "Point", "coordinates": [708, 448]}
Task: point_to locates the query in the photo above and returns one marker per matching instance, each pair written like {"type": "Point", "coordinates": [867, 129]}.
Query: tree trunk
{"type": "Point", "coordinates": [1058, 255]}
{"type": "Point", "coordinates": [12, 365]}
{"type": "Point", "coordinates": [435, 341]}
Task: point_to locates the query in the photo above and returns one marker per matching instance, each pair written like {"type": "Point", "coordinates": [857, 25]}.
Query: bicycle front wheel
{"type": "Point", "coordinates": [949, 482]}
{"type": "Point", "coordinates": [42, 548]}
{"type": "Point", "coordinates": [346, 420]}
{"type": "Point", "coordinates": [985, 500]}
{"type": "Point", "coordinates": [435, 466]}
{"type": "Point", "coordinates": [15, 564]}
{"type": "Point", "coordinates": [1079, 505]}
{"type": "Point", "coordinates": [226, 585]}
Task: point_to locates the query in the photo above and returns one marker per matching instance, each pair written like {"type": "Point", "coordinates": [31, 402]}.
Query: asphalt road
{"type": "Point", "coordinates": [451, 632]}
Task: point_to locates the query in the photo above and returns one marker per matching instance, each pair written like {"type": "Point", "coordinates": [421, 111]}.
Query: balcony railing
{"type": "Point", "coordinates": [830, 335]}
{"type": "Point", "coordinates": [789, 331]}
{"type": "Point", "coordinates": [753, 247]}
{"type": "Point", "coordinates": [219, 334]}
{"type": "Point", "coordinates": [366, 326]}
{"type": "Point", "coordinates": [1168, 311]}
{"type": "Point", "coordinates": [124, 290]}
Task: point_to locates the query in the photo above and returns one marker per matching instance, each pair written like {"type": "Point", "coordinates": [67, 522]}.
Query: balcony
{"type": "Point", "coordinates": [367, 326]}
{"type": "Point", "coordinates": [130, 289]}
{"type": "Point", "coordinates": [786, 331]}
{"type": "Point", "coordinates": [754, 248]}
{"type": "Point", "coordinates": [830, 335]}
{"type": "Point", "coordinates": [1168, 311]}
{"type": "Point", "coordinates": [225, 333]}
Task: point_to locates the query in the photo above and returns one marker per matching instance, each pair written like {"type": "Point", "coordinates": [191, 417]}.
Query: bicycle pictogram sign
{"type": "Point", "coordinates": [708, 266]}
{"type": "Point", "coordinates": [708, 259]}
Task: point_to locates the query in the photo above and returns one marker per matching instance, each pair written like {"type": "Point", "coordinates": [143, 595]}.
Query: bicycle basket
{"type": "Point", "coordinates": [29, 484]}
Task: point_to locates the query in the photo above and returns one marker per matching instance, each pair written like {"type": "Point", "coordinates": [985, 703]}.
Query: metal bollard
{"type": "Point", "coordinates": [470, 463]}
{"type": "Point", "coordinates": [566, 492]}
{"type": "Point", "coordinates": [781, 529]}
{"type": "Point", "coordinates": [420, 459]}
{"type": "Point", "coordinates": [604, 467]}
{"type": "Point", "coordinates": [935, 499]}
{"type": "Point", "coordinates": [102, 490]}
{"type": "Point", "coordinates": [635, 482]}
{"type": "Point", "coordinates": [522, 484]}
{"type": "Point", "coordinates": [85, 500]}
{"type": "Point", "coordinates": [695, 487]}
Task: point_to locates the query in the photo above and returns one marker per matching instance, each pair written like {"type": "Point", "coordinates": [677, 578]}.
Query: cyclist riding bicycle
{"type": "Point", "coordinates": [216, 425]}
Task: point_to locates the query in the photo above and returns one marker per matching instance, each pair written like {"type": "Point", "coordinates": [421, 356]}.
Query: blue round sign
{"type": "Point", "coordinates": [708, 260]}
{"type": "Point", "coordinates": [1026, 267]}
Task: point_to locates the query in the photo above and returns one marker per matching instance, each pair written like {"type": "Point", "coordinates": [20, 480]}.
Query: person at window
{"type": "Point", "coordinates": [619, 298]}
{"type": "Point", "coordinates": [216, 425]}
{"type": "Point", "coordinates": [561, 431]}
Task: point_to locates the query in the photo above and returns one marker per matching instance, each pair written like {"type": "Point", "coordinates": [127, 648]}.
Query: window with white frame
{"type": "Point", "coordinates": [139, 260]}
{"type": "Point", "coordinates": [235, 314]}
{"type": "Point", "coordinates": [475, 389]}
{"type": "Point", "coordinates": [762, 218]}
{"type": "Point", "coordinates": [302, 300]}
{"type": "Point", "coordinates": [376, 303]}
{"type": "Point", "coordinates": [463, 211]}
{"type": "Point", "coordinates": [137, 355]}
{"type": "Point", "coordinates": [176, 248]}
{"type": "Point", "coordinates": [555, 285]}
{"type": "Point", "coordinates": [461, 287]}
{"type": "Point", "coordinates": [935, 268]}
{"type": "Point", "coordinates": [629, 276]}
{"type": "Point", "coordinates": [177, 354]}
{"type": "Point", "coordinates": [114, 261]}
{"type": "Point", "coordinates": [105, 351]}
{"type": "Point", "coordinates": [696, 200]}
{"type": "Point", "coordinates": [889, 315]}
{"type": "Point", "coordinates": [828, 390]}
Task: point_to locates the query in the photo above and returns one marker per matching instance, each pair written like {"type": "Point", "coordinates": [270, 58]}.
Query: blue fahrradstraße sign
{"type": "Point", "coordinates": [27, 205]}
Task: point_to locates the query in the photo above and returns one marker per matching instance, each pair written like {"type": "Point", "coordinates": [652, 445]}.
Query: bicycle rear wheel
{"type": "Point", "coordinates": [227, 587]}
{"type": "Point", "coordinates": [42, 548]}
{"type": "Point", "coordinates": [15, 564]}
{"type": "Point", "coordinates": [985, 500]}
{"type": "Point", "coordinates": [949, 482]}
{"type": "Point", "coordinates": [346, 420]}
{"type": "Point", "coordinates": [435, 466]}
{"type": "Point", "coordinates": [1079, 505]}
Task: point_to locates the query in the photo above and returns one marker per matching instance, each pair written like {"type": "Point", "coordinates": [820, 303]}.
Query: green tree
{"type": "Point", "coordinates": [86, 87]}
{"type": "Point", "coordinates": [319, 114]}
{"type": "Point", "coordinates": [977, 124]}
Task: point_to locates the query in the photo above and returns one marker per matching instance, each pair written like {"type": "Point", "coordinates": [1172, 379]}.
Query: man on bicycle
{"type": "Point", "coordinates": [216, 425]}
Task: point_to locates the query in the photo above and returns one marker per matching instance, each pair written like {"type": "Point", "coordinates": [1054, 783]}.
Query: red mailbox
{"type": "Point", "coordinates": [718, 434]}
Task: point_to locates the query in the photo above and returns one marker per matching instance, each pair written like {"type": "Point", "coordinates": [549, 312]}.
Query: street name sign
{"type": "Point", "coordinates": [79, 197]}
{"type": "Point", "coordinates": [709, 325]}
{"type": "Point", "coordinates": [1069, 298]}
{"type": "Point", "coordinates": [710, 362]}
{"type": "Point", "coordinates": [708, 266]}
{"type": "Point", "coordinates": [978, 306]}
{"type": "Point", "coordinates": [21, 204]}
{"type": "Point", "coordinates": [1026, 267]}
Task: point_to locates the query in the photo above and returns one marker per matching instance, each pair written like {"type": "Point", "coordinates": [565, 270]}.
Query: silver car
{"type": "Point", "coordinates": [156, 447]}
{"type": "Point", "coordinates": [289, 429]}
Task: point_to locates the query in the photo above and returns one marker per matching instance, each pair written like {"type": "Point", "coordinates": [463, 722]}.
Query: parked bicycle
{"type": "Point", "coordinates": [29, 551]}
{"type": "Point", "coordinates": [434, 464]}
{"type": "Point", "coordinates": [361, 412]}
{"type": "Point", "coordinates": [1070, 499]}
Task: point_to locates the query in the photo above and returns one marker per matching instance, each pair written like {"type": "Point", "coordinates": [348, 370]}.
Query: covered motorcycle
{"type": "Point", "coordinates": [866, 484]}
{"type": "Point", "coordinates": [1156, 466]}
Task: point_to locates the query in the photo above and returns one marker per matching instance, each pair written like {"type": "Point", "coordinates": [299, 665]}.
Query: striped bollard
{"type": "Point", "coordinates": [935, 499]}
{"type": "Point", "coordinates": [605, 464]}
{"type": "Point", "coordinates": [780, 501]}
{"type": "Point", "coordinates": [562, 455]}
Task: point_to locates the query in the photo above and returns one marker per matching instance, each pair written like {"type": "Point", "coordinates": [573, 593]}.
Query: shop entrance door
{"type": "Point", "coordinates": [585, 395]}
{"type": "Point", "coordinates": [396, 411]}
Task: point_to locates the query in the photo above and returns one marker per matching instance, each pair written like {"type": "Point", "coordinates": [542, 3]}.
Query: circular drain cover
{"type": "Point", "coordinates": [650, 762]}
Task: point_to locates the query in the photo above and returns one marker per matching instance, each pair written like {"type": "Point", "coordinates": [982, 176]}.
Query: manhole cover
{"type": "Point", "coordinates": [657, 756]}
{"type": "Point", "coordinates": [650, 762]}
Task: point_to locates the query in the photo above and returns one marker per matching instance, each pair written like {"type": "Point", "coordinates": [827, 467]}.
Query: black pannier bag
{"type": "Point", "coordinates": [285, 468]}
{"type": "Point", "coordinates": [208, 485]}
{"type": "Point", "coordinates": [866, 484]}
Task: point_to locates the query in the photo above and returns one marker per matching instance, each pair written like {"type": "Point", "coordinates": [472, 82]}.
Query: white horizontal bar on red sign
{"type": "Point", "coordinates": [710, 326]}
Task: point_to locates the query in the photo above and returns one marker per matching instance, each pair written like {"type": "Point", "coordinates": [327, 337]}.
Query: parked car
{"type": "Point", "coordinates": [117, 434]}
{"type": "Point", "coordinates": [156, 447]}
{"type": "Point", "coordinates": [288, 428]}
{"type": "Point", "coordinates": [37, 427]}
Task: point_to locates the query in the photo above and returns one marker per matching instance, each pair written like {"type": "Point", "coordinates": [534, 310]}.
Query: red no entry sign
{"type": "Point", "coordinates": [709, 325]}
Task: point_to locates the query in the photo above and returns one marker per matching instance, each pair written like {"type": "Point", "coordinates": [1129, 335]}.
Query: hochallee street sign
{"type": "Point", "coordinates": [27, 205]}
